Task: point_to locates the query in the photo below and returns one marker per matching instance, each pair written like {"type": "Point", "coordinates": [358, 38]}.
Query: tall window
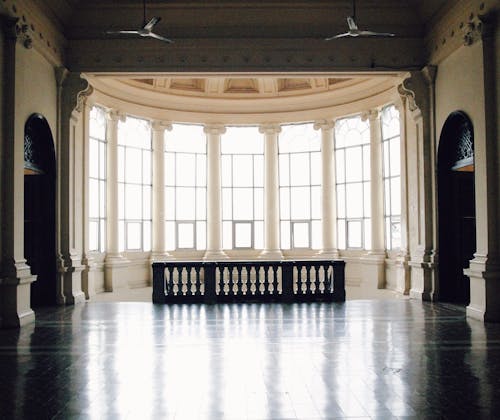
{"type": "Point", "coordinates": [134, 184]}
{"type": "Point", "coordinates": [186, 187]}
{"type": "Point", "coordinates": [300, 186]}
{"type": "Point", "coordinates": [242, 150]}
{"type": "Point", "coordinates": [392, 176]}
{"type": "Point", "coordinates": [352, 154]}
{"type": "Point", "coordinates": [97, 180]}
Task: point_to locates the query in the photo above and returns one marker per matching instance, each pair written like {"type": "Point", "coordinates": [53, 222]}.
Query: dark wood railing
{"type": "Point", "coordinates": [248, 281]}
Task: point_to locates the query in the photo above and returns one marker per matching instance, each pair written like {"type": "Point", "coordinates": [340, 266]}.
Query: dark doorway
{"type": "Point", "coordinates": [39, 209]}
{"type": "Point", "coordinates": [457, 211]}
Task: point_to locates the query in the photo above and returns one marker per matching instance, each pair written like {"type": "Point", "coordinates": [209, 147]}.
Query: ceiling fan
{"type": "Point", "coordinates": [147, 28]}
{"type": "Point", "coordinates": [354, 30]}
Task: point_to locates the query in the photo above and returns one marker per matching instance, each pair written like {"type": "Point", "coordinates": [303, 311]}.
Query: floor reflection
{"type": "Point", "coordinates": [365, 359]}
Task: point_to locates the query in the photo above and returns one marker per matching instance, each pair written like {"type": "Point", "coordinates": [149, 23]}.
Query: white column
{"type": "Point", "coordinates": [159, 249]}
{"type": "Point", "coordinates": [328, 193]}
{"type": "Point", "coordinates": [214, 197]}
{"type": "Point", "coordinates": [113, 255]}
{"type": "Point", "coordinates": [377, 253]}
{"type": "Point", "coordinates": [271, 193]}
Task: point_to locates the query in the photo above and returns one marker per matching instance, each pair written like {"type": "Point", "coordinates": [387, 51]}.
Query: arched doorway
{"type": "Point", "coordinates": [456, 206]}
{"type": "Point", "coordinates": [39, 209]}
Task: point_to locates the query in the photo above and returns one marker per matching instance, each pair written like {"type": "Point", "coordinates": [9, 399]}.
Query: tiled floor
{"type": "Point", "coordinates": [362, 359]}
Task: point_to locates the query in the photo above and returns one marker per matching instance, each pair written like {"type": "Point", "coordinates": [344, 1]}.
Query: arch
{"type": "Point", "coordinates": [456, 207]}
{"type": "Point", "coordinates": [39, 209]}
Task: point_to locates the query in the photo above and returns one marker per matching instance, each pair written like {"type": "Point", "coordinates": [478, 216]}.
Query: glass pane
{"type": "Point", "coordinates": [242, 203]}
{"type": "Point", "coordinates": [354, 234]}
{"type": "Point", "coordinates": [185, 203]}
{"type": "Point", "coordinates": [103, 235]}
{"type": "Point", "coordinates": [201, 170]}
{"type": "Point", "coordinates": [354, 164]}
{"type": "Point", "coordinates": [146, 167]}
{"type": "Point", "coordinates": [396, 234]}
{"type": "Point", "coordinates": [387, 162]}
{"type": "Point", "coordinates": [316, 168]}
{"type": "Point", "coordinates": [259, 203]}
{"type": "Point", "coordinates": [133, 236]}
{"type": "Point", "coordinates": [243, 235]}
{"type": "Point", "coordinates": [258, 235]}
{"type": "Point", "coordinates": [284, 170]}
{"type": "Point", "coordinates": [366, 163]}
{"type": "Point", "coordinates": [387, 196]}
{"type": "Point", "coordinates": [316, 202]}
{"type": "Point", "coordinates": [395, 157]}
{"type": "Point", "coordinates": [170, 236]}
{"type": "Point", "coordinates": [299, 138]}
{"type": "Point", "coordinates": [102, 160]}
{"type": "Point", "coordinates": [170, 203]}
{"type": "Point", "coordinates": [367, 199]}
{"type": "Point", "coordinates": [341, 234]}
{"type": "Point", "coordinates": [146, 203]}
{"type": "Point", "coordinates": [121, 164]}
{"type": "Point", "coordinates": [93, 235]}
{"type": "Point", "coordinates": [146, 243]}
{"type": "Point", "coordinates": [227, 235]}
{"type": "Point", "coordinates": [133, 201]}
{"type": "Point", "coordinates": [227, 204]}
{"type": "Point", "coordinates": [134, 132]}
{"type": "Point", "coordinates": [340, 166]}
{"type": "Point", "coordinates": [300, 203]}
{"type": "Point", "coordinates": [388, 243]}
{"type": "Point", "coordinates": [186, 138]}
{"type": "Point", "coordinates": [185, 171]}
{"type": "Point", "coordinates": [102, 198]}
{"type": "Point", "coordinates": [300, 235]}
{"type": "Point", "coordinates": [299, 169]}
{"type": "Point", "coordinates": [121, 236]}
{"type": "Point", "coordinates": [121, 201]}
{"type": "Point", "coordinates": [97, 123]}
{"type": "Point", "coordinates": [285, 234]}
{"type": "Point", "coordinates": [285, 203]}
{"type": "Point", "coordinates": [316, 235]}
{"type": "Point", "coordinates": [258, 170]}
{"type": "Point", "coordinates": [368, 234]}
{"type": "Point", "coordinates": [93, 198]}
{"type": "Point", "coordinates": [185, 235]}
{"type": "Point", "coordinates": [201, 204]}
{"type": "Point", "coordinates": [201, 235]}
{"type": "Point", "coordinates": [226, 176]}
{"type": "Point", "coordinates": [169, 169]}
{"type": "Point", "coordinates": [93, 158]}
{"type": "Point", "coordinates": [396, 196]}
{"type": "Point", "coordinates": [242, 140]}
{"type": "Point", "coordinates": [242, 171]}
{"type": "Point", "coordinates": [354, 200]}
{"type": "Point", "coordinates": [133, 165]}
{"type": "Point", "coordinates": [340, 201]}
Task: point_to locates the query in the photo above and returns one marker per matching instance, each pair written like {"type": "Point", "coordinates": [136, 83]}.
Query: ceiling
{"type": "Point", "coordinates": [241, 19]}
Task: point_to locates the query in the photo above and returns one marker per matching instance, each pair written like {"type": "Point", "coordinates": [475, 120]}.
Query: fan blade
{"type": "Point", "coordinates": [161, 38]}
{"type": "Point", "coordinates": [352, 25]}
{"type": "Point", "coordinates": [371, 33]}
{"type": "Point", "coordinates": [338, 36]}
{"type": "Point", "coordinates": [123, 32]}
{"type": "Point", "coordinates": [148, 26]}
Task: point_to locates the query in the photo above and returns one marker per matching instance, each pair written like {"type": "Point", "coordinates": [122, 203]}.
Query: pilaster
{"type": "Point", "coordinates": [214, 195]}
{"type": "Point", "coordinates": [328, 190]}
{"type": "Point", "coordinates": [159, 252]}
{"type": "Point", "coordinates": [272, 248]}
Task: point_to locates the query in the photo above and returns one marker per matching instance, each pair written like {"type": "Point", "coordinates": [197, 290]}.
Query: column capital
{"type": "Point", "coordinates": [370, 115]}
{"type": "Point", "coordinates": [270, 129]}
{"type": "Point", "coordinates": [324, 124]}
{"type": "Point", "coordinates": [215, 129]}
{"type": "Point", "coordinates": [159, 125]}
{"type": "Point", "coordinates": [115, 115]}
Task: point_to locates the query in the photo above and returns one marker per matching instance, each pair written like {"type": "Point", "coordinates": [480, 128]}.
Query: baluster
{"type": "Point", "coordinates": [171, 291]}
{"type": "Point", "coordinates": [239, 283]}
{"type": "Point", "coordinates": [257, 279]}
{"type": "Point", "coordinates": [222, 269]}
{"type": "Point", "coordinates": [189, 284]}
{"type": "Point", "coordinates": [266, 279]}
{"type": "Point", "coordinates": [317, 290]}
{"type": "Point", "coordinates": [308, 279]}
{"type": "Point", "coordinates": [197, 291]}
{"type": "Point", "coordinates": [327, 279]}
{"type": "Point", "coordinates": [275, 280]}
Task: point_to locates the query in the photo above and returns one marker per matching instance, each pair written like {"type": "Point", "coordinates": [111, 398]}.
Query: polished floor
{"type": "Point", "coordinates": [361, 359]}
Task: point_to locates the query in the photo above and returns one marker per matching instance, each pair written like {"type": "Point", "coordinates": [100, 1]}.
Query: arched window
{"type": "Point", "coordinates": [300, 186]}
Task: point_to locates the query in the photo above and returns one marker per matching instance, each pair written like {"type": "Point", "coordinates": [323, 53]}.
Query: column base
{"type": "Point", "coordinates": [329, 253]}
{"type": "Point", "coordinates": [215, 255]}
{"type": "Point", "coordinates": [423, 276]}
{"type": "Point", "coordinates": [114, 267]}
{"type": "Point", "coordinates": [271, 254]}
{"type": "Point", "coordinates": [375, 260]}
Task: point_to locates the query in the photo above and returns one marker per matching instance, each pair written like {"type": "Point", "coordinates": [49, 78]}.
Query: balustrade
{"type": "Point", "coordinates": [248, 281]}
